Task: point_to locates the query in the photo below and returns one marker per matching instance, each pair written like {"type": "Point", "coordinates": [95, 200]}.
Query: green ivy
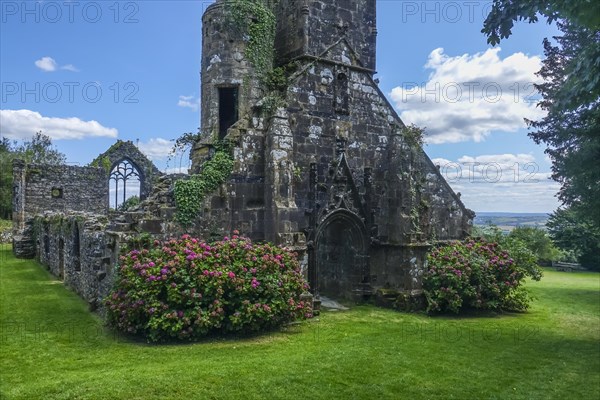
{"type": "Point", "coordinates": [414, 135]}
{"type": "Point", "coordinates": [103, 162]}
{"type": "Point", "coordinates": [190, 193]}
{"type": "Point", "coordinates": [256, 21]}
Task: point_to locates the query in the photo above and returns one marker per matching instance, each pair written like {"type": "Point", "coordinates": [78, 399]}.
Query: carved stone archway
{"type": "Point", "coordinates": [127, 151]}
{"type": "Point", "coordinates": [122, 174]}
{"type": "Point", "coordinates": [341, 256]}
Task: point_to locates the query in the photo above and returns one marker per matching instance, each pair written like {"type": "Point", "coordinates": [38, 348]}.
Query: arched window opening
{"type": "Point", "coordinates": [228, 109]}
{"type": "Point", "coordinates": [124, 183]}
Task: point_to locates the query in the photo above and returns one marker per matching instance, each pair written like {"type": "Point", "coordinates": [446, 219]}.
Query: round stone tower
{"type": "Point", "coordinates": [229, 88]}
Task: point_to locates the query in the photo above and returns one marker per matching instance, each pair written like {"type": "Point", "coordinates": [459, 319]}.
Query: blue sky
{"type": "Point", "coordinates": [89, 72]}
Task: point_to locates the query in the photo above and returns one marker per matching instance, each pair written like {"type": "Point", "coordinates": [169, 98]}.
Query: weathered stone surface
{"type": "Point", "coordinates": [53, 188]}
{"type": "Point", "coordinates": [61, 217]}
{"type": "Point", "coordinates": [75, 248]}
{"type": "Point", "coordinates": [331, 174]}
{"type": "Point", "coordinates": [127, 151]}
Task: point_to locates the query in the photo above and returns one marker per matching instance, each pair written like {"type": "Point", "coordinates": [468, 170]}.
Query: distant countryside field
{"type": "Point", "coordinates": [508, 221]}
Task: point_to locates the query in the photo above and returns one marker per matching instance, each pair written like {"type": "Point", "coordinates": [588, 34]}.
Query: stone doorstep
{"type": "Point", "coordinates": [331, 304]}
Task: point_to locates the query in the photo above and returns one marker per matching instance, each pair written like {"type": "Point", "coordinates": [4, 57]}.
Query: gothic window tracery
{"type": "Point", "coordinates": [124, 182]}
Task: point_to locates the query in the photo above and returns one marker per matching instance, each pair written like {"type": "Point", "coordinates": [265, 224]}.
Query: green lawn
{"type": "Point", "coordinates": [53, 348]}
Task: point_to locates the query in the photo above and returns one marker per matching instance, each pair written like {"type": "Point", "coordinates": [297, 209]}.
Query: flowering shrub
{"type": "Point", "coordinates": [186, 288]}
{"type": "Point", "coordinates": [476, 274]}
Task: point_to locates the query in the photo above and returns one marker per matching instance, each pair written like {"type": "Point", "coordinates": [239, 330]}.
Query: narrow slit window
{"type": "Point", "coordinates": [61, 258]}
{"type": "Point", "coordinates": [76, 248]}
{"type": "Point", "coordinates": [341, 94]}
{"type": "Point", "coordinates": [228, 109]}
{"type": "Point", "coordinates": [46, 245]}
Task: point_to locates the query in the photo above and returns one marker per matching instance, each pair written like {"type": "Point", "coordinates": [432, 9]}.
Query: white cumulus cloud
{"type": "Point", "coordinates": [46, 64]}
{"type": "Point", "coordinates": [23, 124]}
{"type": "Point", "coordinates": [189, 102]}
{"type": "Point", "coordinates": [501, 182]}
{"type": "Point", "coordinates": [156, 148]}
{"type": "Point", "coordinates": [177, 170]}
{"type": "Point", "coordinates": [467, 97]}
{"type": "Point", "coordinates": [70, 67]}
{"type": "Point", "coordinates": [49, 64]}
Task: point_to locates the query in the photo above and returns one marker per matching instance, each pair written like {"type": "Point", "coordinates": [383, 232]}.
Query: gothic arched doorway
{"type": "Point", "coordinates": [341, 251]}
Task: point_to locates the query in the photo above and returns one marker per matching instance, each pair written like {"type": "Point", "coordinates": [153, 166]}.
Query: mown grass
{"type": "Point", "coordinates": [53, 348]}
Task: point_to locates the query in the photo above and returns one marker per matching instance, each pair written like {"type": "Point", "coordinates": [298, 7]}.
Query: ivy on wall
{"type": "Point", "coordinates": [255, 20]}
{"type": "Point", "coordinates": [103, 162]}
{"type": "Point", "coordinates": [190, 193]}
{"type": "Point", "coordinates": [414, 137]}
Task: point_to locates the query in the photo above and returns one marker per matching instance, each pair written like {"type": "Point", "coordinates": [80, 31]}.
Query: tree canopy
{"type": "Point", "coordinates": [572, 231]}
{"type": "Point", "coordinates": [570, 93]}
{"type": "Point", "coordinates": [504, 13]}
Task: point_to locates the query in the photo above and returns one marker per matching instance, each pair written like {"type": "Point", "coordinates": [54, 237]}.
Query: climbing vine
{"type": "Point", "coordinates": [414, 135]}
{"type": "Point", "coordinates": [190, 193]}
{"type": "Point", "coordinates": [103, 162]}
{"type": "Point", "coordinates": [255, 20]}
{"type": "Point", "coordinates": [414, 138]}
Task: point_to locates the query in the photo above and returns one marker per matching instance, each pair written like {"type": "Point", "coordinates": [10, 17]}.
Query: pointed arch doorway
{"type": "Point", "coordinates": [341, 256]}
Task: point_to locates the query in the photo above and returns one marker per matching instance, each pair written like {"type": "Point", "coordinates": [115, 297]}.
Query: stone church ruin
{"type": "Point", "coordinates": [321, 164]}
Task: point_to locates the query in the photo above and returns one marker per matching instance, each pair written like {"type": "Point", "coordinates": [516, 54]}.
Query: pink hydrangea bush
{"type": "Point", "coordinates": [475, 274]}
{"type": "Point", "coordinates": [185, 289]}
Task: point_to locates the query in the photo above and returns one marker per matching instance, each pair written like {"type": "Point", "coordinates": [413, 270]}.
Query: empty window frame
{"type": "Point", "coordinates": [228, 109]}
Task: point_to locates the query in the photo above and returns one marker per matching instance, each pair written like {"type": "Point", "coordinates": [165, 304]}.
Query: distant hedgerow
{"type": "Point", "coordinates": [186, 288]}
{"type": "Point", "coordinates": [476, 274]}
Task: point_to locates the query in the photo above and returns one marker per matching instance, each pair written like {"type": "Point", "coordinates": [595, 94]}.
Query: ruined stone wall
{"type": "Point", "coordinates": [224, 65]}
{"type": "Point", "coordinates": [44, 187]}
{"type": "Point", "coordinates": [239, 203]}
{"type": "Point", "coordinates": [53, 188]}
{"type": "Point", "coordinates": [126, 151]}
{"type": "Point", "coordinates": [78, 250]}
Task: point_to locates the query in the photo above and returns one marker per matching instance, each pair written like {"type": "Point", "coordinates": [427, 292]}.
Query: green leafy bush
{"type": "Point", "coordinates": [130, 203]}
{"type": "Point", "coordinates": [522, 251]}
{"type": "Point", "coordinates": [185, 289]}
{"type": "Point", "coordinates": [538, 241]}
{"type": "Point", "coordinates": [476, 274]}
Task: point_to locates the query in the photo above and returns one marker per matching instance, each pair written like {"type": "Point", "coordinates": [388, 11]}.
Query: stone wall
{"type": "Point", "coordinates": [334, 173]}
{"type": "Point", "coordinates": [78, 249]}
{"type": "Point", "coordinates": [121, 151]}
{"type": "Point", "coordinates": [53, 188]}
{"type": "Point", "coordinates": [309, 28]}
{"type": "Point", "coordinates": [348, 135]}
{"type": "Point", "coordinates": [224, 64]}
